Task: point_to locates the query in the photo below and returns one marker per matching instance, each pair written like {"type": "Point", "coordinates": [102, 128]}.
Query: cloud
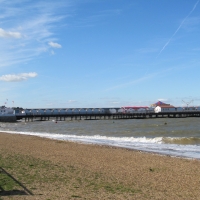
{"type": "Point", "coordinates": [54, 45]}
{"type": "Point", "coordinates": [115, 102]}
{"type": "Point", "coordinates": [32, 24]}
{"type": "Point", "coordinates": [133, 82]}
{"type": "Point", "coordinates": [191, 24]}
{"type": "Point", "coordinates": [164, 100]}
{"type": "Point", "coordinates": [17, 77]}
{"type": "Point", "coordinates": [71, 101]}
{"type": "Point", "coordinates": [9, 34]}
{"type": "Point", "coordinates": [94, 19]}
{"type": "Point", "coordinates": [166, 44]}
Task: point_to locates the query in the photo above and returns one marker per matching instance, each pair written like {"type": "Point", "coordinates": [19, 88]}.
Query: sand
{"type": "Point", "coordinates": [81, 171]}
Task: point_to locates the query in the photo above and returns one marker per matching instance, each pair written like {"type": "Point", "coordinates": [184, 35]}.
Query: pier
{"type": "Point", "coordinates": [106, 116]}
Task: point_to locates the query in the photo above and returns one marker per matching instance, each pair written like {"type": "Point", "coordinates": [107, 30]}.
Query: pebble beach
{"type": "Point", "coordinates": [102, 172]}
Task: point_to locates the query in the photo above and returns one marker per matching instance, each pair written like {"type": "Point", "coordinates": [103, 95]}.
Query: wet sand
{"type": "Point", "coordinates": [101, 172]}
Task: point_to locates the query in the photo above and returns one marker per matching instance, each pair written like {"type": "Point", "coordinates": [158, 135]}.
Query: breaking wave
{"type": "Point", "coordinates": [182, 140]}
{"type": "Point", "coordinates": [182, 147]}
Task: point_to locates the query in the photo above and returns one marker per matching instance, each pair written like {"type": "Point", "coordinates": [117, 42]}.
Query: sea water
{"type": "Point", "coordinates": [169, 136]}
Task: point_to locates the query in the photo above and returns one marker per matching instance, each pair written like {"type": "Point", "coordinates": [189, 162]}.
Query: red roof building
{"type": "Point", "coordinates": [159, 103]}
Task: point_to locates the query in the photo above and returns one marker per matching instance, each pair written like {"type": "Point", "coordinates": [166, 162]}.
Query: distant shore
{"type": "Point", "coordinates": [98, 172]}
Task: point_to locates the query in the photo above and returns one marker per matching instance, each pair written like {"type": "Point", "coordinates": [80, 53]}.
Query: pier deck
{"type": "Point", "coordinates": [107, 116]}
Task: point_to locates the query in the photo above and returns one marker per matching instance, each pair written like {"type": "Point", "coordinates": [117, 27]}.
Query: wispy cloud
{"type": "Point", "coordinates": [164, 100]}
{"type": "Point", "coordinates": [144, 78]}
{"type": "Point", "coordinates": [17, 77]}
{"type": "Point", "coordinates": [54, 45]}
{"type": "Point", "coordinates": [71, 101]}
{"type": "Point", "coordinates": [136, 81]}
{"type": "Point", "coordinates": [92, 19]}
{"type": "Point", "coordinates": [33, 25]}
{"type": "Point", "coordinates": [9, 34]}
{"type": "Point", "coordinates": [114, 102]}
{"type": "Point", "coordinates": [191, 24]}
{"type": "Point", "coordinates": [166, 44]}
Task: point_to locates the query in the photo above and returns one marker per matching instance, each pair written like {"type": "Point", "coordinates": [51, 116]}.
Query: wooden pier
{"type": "Point", "coordinates": [107, 116]}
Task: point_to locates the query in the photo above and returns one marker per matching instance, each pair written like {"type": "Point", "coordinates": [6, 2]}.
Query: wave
{"type": "Point", "coordinates": [156, 140]}
{"type": "Point", "coordinates": [87, 138]}
{"type": "Point", "coordinates": [167, 146]}
{"type": "Point", "coordinates": [182, 140]}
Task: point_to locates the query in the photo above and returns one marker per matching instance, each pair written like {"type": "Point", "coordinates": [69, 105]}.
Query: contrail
{"type": "Point", "coordinates": [179, 27]}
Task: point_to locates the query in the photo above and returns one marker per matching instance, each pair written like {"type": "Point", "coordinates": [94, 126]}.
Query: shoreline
{"type": "Point", "coordinates": [154, 176]}
{"type": "Point", "coordinates": [106, 145]}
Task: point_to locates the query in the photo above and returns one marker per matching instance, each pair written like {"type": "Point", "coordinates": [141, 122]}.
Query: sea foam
{"type": "Point", "coordinates": [155, 145]}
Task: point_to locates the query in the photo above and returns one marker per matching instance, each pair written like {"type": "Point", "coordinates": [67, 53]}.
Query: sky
{"type": "Point", "coordinates": [99, 53]}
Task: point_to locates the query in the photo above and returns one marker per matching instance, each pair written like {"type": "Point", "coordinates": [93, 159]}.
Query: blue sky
{"type": "Point", "coordinates": [99, 53]}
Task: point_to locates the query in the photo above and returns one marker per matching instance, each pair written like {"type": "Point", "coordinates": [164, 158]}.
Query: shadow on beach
{"type": "Point", "coordinates": [11, 192]}
{"type": "Point", "coordinates": [3, 192]}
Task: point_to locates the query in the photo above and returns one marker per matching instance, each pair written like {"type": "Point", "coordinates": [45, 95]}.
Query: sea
{"type": "Point", "coordinates": [179, 137]}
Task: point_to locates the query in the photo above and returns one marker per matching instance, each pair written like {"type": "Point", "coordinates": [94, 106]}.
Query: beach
{"type": "Point", "coordinates": [84, 171]}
